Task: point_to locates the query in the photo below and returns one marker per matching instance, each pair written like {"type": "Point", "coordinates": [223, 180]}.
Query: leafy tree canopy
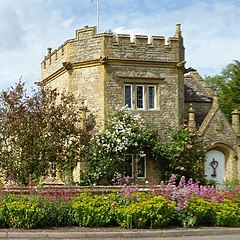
{"type": "Point", "coordinates": [227, 86]}
{"type": "Point", "coordinates": [36, 133]}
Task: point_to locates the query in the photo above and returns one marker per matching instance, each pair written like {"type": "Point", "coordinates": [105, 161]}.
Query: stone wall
{"type": "Point", "coordinates": [95, 67]}
{"type": "Point", "coordinates": [218, 134]}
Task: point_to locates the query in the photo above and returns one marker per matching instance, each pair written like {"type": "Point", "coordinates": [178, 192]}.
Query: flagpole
{"type": "Point", "coordinates": [97, 16]}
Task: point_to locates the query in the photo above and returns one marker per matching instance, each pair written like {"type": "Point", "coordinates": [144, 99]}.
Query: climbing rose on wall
{"type": "Point", "coordinates": [182, 155]}
{"type": "Point", "coordinates": [124, 133]}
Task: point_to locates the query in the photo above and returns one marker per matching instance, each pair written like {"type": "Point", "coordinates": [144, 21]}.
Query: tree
{"type": "Point", "coordinates": [227, 86]}
{"type": "Point", "coordinates": [36, 133]}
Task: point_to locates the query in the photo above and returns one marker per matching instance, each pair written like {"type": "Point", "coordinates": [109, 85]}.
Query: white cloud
{"type": "Point", "coordinates": [27, 27]}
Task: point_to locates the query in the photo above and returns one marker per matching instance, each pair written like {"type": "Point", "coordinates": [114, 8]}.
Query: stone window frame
{"type": "Point", "coordinates": [140, 97]}
{"type": "Point", "coordinates": [155, 97]}
{"type": "Point", "coordinates": [134, 96]}
{"type": "Point", "coordinates": [142, 80]}
{"type": "Point", "coordinates": [134, 166]}
{"type": "Point", "coordinates": [131, 97]}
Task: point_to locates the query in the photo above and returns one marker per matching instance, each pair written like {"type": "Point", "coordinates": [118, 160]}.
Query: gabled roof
{"type": "Point", "coordinates": [212, 117]}
{"type": "Point", "coordinates": [196, 89]}
{"type": "Point", "coordinates": [209, 117]}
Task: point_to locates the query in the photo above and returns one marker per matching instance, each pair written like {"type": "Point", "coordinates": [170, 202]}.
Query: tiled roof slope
{"type": "Point", "coordinates": [196, 89]}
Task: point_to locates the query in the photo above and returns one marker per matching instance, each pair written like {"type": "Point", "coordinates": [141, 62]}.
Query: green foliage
{"type": "Point", "coordinates": [36, 133]}
{"type": "Point", "coordinates": [125, 132]}
{"type": "Point", "coordinates": [140, 210]}
{"type": "Point", "coordinates": [34, 211]}
{"type": "Point", "coordinates": [23, 213]}
{"type": "Point", "coordinates": [227, 86]}
{"type": "Point", "coordinates": [93, 210]}
{"type": "Point", "coordinates": [182, 155]}
{"type": "Point", "coordinates": [56, 213]}
{"type": "Point", "coordinates": [201, 211]}
{"type": "Point", "coordinates": [156, 212]}
{"type": "Point", "coordinates": [227, 214]}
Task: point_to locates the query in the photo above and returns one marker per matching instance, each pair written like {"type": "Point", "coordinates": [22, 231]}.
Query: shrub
{"type": "Point", "coordinates": [92, 210]}
{"type": "Point", "coordinates": [56, 213]}
{"type": "Point", "coordinates": [34, 211]}
{"type": "Point", "coordinates": [227, 214]}
{"type": "Point", "coordinates": [23, 212]}
{"type": "Point", "coordinates": [201, 211]}
{"type": "Point", "coordinates": [182, 155]}
{"type": "Point", "coordinates": [125, 132]}
{"type": "Point", "coordinates": [185, 204]}
{"type": "Point", "coordinates": [156, 212]}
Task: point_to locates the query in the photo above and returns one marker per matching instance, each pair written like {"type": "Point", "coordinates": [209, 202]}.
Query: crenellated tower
{"type": "Point", "coordinates": [105, 70]}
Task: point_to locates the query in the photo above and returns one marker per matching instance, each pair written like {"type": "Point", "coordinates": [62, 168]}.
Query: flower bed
{"type": "Point", "coordinates": [185, 204]}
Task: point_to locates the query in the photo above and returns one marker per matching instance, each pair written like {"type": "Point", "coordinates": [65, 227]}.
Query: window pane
{"type": "Point", "coordinates": [140, 97]}
{"type": "Point", "coordinates": [151, 97]}
{"type": "Point", "coordinates": [128, 96]}
{"type": "Point", "coordinates": [141, 167]}
{"type": "Point", "coordinates": [129, 165]}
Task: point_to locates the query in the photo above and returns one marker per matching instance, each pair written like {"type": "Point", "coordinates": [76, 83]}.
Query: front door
{"type": "Point", "coordinates": [215, 166]}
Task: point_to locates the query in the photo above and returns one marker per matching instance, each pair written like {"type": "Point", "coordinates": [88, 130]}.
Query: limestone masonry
{"type": "Point", "coordinates": [149, 75]}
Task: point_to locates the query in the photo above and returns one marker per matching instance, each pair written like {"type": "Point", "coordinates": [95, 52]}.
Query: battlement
{"type": "Point", "coordinates": [89, 46]}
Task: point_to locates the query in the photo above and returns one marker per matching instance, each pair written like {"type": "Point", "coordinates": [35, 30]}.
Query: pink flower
{"type": "Point", "coordinates": [177, 155]}
{"type": "Point", "coordinates": [189, 147]}
{"type": "Point", "coordinates": [182, 149]}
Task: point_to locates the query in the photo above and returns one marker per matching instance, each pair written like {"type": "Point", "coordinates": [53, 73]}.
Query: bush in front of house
{"type": "Point", "coordinates": [124, 133]}
{"type": "Point", "coordinates": [155, 212]}
{"type": "Point", "coordinates": [227, 214]}
{"type": "Point", "coordinates": [32, 211]}
{"type": "Point", "coordinates": [92, 210]}
{"type": "Point", "coordinates": [186, 204]}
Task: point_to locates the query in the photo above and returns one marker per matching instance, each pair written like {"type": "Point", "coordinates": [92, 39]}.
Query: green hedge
{"type": "Point", "coordinates": [139, 211]}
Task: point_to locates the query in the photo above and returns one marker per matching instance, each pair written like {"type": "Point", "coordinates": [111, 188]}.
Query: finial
{"type": "Point", "coordinates": [236, 111]}
{"type": "Point", "coordinates": [49, 51]}
{"type": "Point", "coordinates": [215, 100]}
{"type": "Point", "coordinates": [191, 109]}
{"type": "Point", "coordinates": [191, 118]}
{"type": "Point", "coordinates": [178, 30]}
{"type": "Point", "coordinates": [235, 121]}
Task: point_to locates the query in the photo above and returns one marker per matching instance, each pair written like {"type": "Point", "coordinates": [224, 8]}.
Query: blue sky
{"type": "Point", "coordinates": [28, 27]}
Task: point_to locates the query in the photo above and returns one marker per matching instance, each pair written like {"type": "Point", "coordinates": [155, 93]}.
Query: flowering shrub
{"type": "Point", "coordinates": [200, 211]}
{"type": "Point", "coordinates": [227, 214]}
{"type": "Point", "coordinates": [176, 151]}
{"type": "Point", "coordinates": [183, 191]}
{"type": "Point", "coordinates": [182, 155]}
{"type": "Point", "coordinates": [92, 210]}
{"type": "Point", "coordinates": [156, 212]}
{"type": "Point", "coordinates": [193, 202]}
{"type": "Point", "coordinates": [124, 132]}
{"type": "Point", "coordinates": [185, 204]}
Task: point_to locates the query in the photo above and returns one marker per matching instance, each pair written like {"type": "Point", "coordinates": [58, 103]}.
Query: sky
{"type": "Point", "coordinates": [210, 29]}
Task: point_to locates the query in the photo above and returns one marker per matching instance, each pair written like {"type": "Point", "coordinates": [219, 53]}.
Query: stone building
{"type": "Point", "coordinates": [149, 76]}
